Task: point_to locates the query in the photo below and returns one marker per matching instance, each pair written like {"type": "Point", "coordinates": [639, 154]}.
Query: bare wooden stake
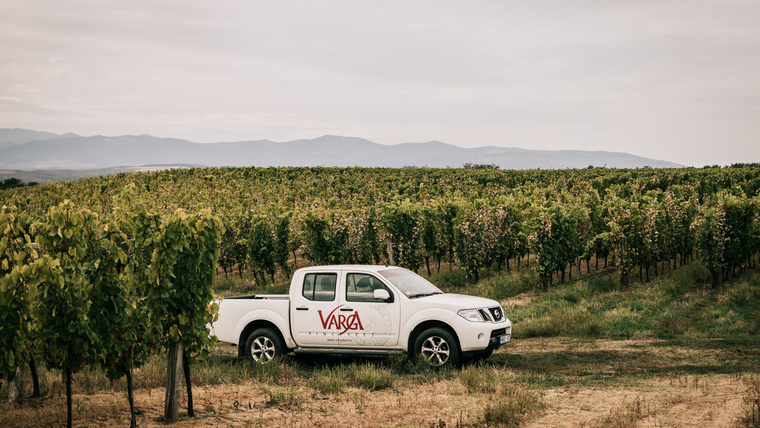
{"type": "Point", "coordinates": [173, 381]}
{"type": "Point", "coordinates": [390, 250]}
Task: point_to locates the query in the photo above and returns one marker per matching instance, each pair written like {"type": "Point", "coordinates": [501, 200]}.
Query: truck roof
{"type": "Point", "coordinates": [364, 268]}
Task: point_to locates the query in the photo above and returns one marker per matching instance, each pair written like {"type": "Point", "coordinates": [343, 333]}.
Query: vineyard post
{"type": "Point", "coordinates": [390, 250]}
{"type": "Point", "coordinates": [173, 381]}
{"type": "Point", "coordinates": [624, 268]}
{"type": "Point", "coordinates": [15, 386]}
{"type": "Point", "coordinates": [188, 384]}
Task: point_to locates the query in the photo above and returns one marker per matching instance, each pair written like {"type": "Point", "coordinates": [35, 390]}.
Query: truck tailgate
{"type": "Point", "coordinates": [233, 310]}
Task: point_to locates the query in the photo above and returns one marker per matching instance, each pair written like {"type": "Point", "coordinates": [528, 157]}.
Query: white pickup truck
{"type": "Point", "coordinates": [363, 310]}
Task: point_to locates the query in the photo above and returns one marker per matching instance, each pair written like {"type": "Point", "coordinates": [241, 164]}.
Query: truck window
{"type": "Point", "coordinates": [360, 287]}
{"type": "Point", "coordinates": [320, 286]}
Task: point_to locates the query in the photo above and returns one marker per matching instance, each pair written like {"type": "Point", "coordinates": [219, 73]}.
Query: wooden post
{"type": "Point", "coordinates": [15, 387]}
{"type": "Point", "coordinates": [188, 384]}
{"type": "Point", "coordinates": [173, 381]}
{"type": "Point", "coordinates": [623, 265]}
{"type": "Point", "coordinates": [390, 250]}
{"type": "Point", "coordinates": [130, 397]}
{"type": "Point", "coordinates": [69, 422]}
{"type": "Point", "coordinates": [35, 378]}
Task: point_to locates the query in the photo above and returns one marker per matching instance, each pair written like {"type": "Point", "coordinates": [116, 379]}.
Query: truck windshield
{"type": "Point", "coordinates": [409, 283]}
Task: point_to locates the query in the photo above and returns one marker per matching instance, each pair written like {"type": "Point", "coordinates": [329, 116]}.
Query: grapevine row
{"type": "Point", "coordinates": [79, 290]}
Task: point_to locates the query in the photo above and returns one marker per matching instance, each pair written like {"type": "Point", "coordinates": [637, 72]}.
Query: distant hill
{"type": "Point", "coordinates": [11, 137]}
{"type": "Point", "coordinates": [71, 151]}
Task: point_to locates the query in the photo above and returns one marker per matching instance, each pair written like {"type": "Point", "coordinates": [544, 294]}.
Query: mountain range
{"type": "Point", "coordinates": [26, 149]}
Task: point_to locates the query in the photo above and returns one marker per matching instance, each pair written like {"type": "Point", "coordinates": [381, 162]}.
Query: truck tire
{"type": "Point", "coordinates": [438, 347]}
{"type": "Point", "coordinates": [263, 345]}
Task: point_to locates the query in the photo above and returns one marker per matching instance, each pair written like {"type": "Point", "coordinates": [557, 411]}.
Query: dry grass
{"type": "Point", "coordinates": [750, 417]}
{"type": "Point", "coordinates": [530, 383]}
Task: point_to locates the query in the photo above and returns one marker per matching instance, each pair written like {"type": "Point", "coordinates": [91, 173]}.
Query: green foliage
{"type": "Point", "coordinates": [480, 166]}
{"type": "Point", "coordinates": [12, 183]}
{"type": "Point", "coordinates": [283, 243]}
{"type": "Point", "coordinates": [728, 234]}
{"type": "Point", "coordinates": [476, 219]}
{"type": "Point", "coordinates": [400, 221]}
{"type": "Point", "coordinates": [18, 279]}
{"type": "Point", "coordinates": [261, 246]}
{"type": "Point", "coordinates": [115, 276]}
{"type": "Point", "coordinates": [67, 339]}
{"type": "Point", "coordinates": [558, 235]}
{"type": "Point", "coordinates": [183, 266]}
{"type": "Point", "coordinates": [319, 238]}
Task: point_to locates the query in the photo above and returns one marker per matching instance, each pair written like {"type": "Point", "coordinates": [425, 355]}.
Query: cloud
{"type": "Point", "coordinates": [649, 77]}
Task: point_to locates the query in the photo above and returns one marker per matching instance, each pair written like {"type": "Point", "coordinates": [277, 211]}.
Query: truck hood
{"type": "Point", "coordinates": [459, 301]}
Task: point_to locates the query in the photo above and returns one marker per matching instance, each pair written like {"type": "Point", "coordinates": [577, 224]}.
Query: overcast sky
{"type": "Point", "coordinates": [670, 80]}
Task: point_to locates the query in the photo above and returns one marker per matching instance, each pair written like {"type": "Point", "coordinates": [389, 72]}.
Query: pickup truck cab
{"type": "Point", "coordinates": [357, 309]}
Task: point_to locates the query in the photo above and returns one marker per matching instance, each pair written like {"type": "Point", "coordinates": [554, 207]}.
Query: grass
{"type": "Point", "coordinates": [673, 333]}
{"type": "Point", "coordinates": [517, 405]}
{"type": "Point", "coordinates": [506, 390]}
{"type": "Point", "coordinates": [750, 417]}
{"type": "Point", "coordinates": [670, 306]}
{"type": "Point", "coordinates": [626, 417]}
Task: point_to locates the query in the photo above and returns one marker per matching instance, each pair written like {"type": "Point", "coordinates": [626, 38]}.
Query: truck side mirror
{"type": "Point", "coordinates": [381, 294]}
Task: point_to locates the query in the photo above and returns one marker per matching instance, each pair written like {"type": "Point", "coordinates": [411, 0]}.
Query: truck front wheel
{"type": "Point", "coordinates": [438, 347]}
{"type": "Point", "coordinates": [263, 345]}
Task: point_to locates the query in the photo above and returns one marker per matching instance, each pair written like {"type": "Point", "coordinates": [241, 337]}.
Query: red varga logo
{"type": "Point", "coordinates": [340, 321]}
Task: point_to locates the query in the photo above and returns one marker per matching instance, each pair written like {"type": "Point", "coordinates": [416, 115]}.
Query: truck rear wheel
{"type": "Point", "coordinates": [438, 347]}
{"type": "Point", "coordinates": [263, 345]}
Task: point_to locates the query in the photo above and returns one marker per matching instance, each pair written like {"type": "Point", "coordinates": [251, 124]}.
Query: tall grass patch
{"type": "Point", "coordinates": [450, 281]}
{"type": "Point", "coordinates": [513, 401]}
{"type": "Point", "coordinates": [626, 417]}
{"type": "Point", "coordinates": [370, 377]}
{"type": "Point", "coordinates": [750, 417]}
{"type": "Point", "coordinates": [514, 406]}
{"type": "Point", "coordinates": [330, 381]}
{"type": "Point", "coordinates": [667, 307]}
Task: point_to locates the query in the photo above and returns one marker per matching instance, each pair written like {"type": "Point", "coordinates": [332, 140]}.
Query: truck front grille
{"type": "Point", "coordinates": [492, 314]}
{"type": "Point", "coordinates": [497, 313]}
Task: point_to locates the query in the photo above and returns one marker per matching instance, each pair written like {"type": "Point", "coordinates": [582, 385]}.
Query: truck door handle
{"type": "Point", "coordinates": [346, 310]}
{"type": "Point", "coordinates": [302, 308]}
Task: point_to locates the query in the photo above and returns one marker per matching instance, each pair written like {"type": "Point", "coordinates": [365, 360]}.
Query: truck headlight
{"type": "Point", "coordinates": [472, 315]}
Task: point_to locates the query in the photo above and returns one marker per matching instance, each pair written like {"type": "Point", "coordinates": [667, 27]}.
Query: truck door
{"type": "Point", "coordinates": [375, 323]}
{"type": "Point", "coordinates": [316, 309]}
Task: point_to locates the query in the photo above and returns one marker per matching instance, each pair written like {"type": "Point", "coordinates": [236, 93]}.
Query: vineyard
{"type": "Point", "coordinates": [104, 271]}
{"type": "Point", "coordinates": [276, 218]}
